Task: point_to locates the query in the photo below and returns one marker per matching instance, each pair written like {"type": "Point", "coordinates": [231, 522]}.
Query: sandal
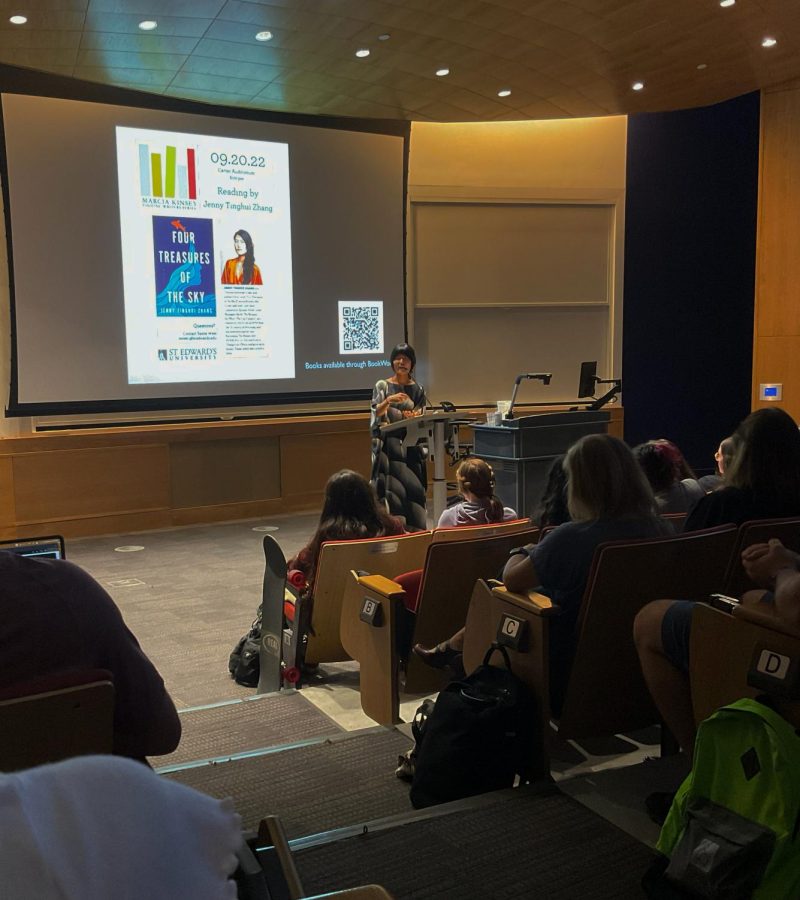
{"type": "Point", "coordinates": [439, 657]}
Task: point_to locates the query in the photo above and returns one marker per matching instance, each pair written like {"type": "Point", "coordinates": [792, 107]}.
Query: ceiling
{"type": "Point", "coordinates": [558, 58]}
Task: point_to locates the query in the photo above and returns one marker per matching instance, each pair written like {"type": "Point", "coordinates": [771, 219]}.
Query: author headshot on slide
{"type": "Point", "coordinates": [242, 269]}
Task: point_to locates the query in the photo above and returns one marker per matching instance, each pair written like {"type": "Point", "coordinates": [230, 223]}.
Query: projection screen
{"type": "Point", "coordinates": [162, 259]}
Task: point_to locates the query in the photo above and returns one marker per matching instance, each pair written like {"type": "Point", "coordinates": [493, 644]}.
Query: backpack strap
{"type": "Point", "coordinates": [501, 649]}
{"type": "Point", "coordinates": [420, 720]}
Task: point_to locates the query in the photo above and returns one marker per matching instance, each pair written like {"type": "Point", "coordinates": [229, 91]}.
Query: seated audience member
{"type": "Point", "coordinates": [776, 566]}
{"type": "Point", "coordinates": [662, 633]}
{"type": "Point", "coordinates": [480, 506]}
{"type": "Point", "coordinates": [54, 618]}
{"type": "Point", "coordinates": [664, 467]}
{"type": "Point", "coordinates": [552, 508]}
{"type": "Point", "coordinates": [763, 480]}
{"type": "Point", "coordinates": [350, 512]}
{"type": "Point", "coordinates": [723, 458]}
{"type": "Point", "coordinates": [96, 827]}
{"type": "Point", "coordinates": [609, 499]}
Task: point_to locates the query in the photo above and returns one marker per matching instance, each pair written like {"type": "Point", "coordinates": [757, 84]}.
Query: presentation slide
{"type": "Point", "coordinates": [206, 257]}
{"type": "Point", "coordinates": [162, 259]}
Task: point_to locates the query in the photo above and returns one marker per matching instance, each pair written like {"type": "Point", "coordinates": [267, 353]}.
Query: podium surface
{"type": "Point", "coordinates": [521, 450]}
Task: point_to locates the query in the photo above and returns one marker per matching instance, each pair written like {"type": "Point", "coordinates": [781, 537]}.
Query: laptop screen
{"type": "Point", "coordinates": [51, 547]}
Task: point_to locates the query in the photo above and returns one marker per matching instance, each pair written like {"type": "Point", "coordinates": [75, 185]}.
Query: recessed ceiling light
{"type": "Point", "coordinates": [264, 36]}
{"type": "Point", "coordinates": [148, 25]}
{"type": "Point", "coordinates": [703, 66]}
{"type": "Point", "coordinates": [768, 42]}
{"type": "Point", "coordinates": [442, 72]}
{"type": "Point", "coordinates": [727, 2]}
{"type": "Point", "coordinates": [18, 20]}
{"type": "Point", "coordinates": [362, 53]}
{"type": "Point", "coordinates": [384, 37]}
{"type": "Point", "coordinates": [504, 93]}
{"type": "Point", "coordinates": [637, 86]}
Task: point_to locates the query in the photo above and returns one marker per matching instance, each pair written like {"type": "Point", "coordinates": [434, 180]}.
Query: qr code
{"type": "Point", "coordinates": [360, 326]}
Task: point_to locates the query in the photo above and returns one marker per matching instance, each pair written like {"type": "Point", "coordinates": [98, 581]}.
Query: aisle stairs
{"type": "Point", "coordinates": [349, 821]}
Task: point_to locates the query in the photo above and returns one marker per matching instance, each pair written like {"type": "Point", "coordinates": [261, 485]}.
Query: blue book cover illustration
{"type": "Point", "coordinates": [184, 267]}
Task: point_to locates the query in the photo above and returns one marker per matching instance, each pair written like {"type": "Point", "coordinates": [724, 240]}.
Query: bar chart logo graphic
{"type": "Point", "coordinates": [169, 172]}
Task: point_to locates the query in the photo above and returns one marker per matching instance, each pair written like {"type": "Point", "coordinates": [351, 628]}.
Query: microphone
{"type": "Point", "coordinates": [544, 377]}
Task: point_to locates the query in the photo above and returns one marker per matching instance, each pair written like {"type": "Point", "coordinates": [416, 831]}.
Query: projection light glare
{"type": "Point", "coordinates": [363, 52]}
{"type": "Point", "coordinates": [727, 3]}
{"type": "Point", "coordinates": [505, 92]}
{"type": "Point", "coordinates": [703, 66]}
{"type": "Point", "coordinates": [768, 42]}
{"type": "Point", "coordinates": [384, 37]}
{"type": "Point", "coordinates": [442, 72]}
{"type": "Point", "coordinates": [637, 86]}
{"type": "Point", "coordinates": [18, 20]}
{"type": "Point", "coordinates": [264, 36]}
{"type": "Point", "coordinates": [148, 25]}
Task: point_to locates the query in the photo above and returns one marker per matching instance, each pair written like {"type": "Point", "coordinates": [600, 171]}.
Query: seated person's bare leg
{"type": "Point", "coordinates": [518, 575]}
{"type": "Point", "coordinates": [443, 654]}
{"type": "Point", "coordinates": [668, 685]}
{"type": "Point", "coordinates": [456, 642]}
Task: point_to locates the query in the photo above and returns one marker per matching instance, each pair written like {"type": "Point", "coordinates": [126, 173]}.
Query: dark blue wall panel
{"type": "Point", "coordinates": [690, 241]}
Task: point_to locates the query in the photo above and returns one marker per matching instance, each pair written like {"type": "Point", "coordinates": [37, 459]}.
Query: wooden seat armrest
{"type": "Point", "coordinates": [766, 618]}
{"type": "Point", "coordinates": [531, 601]}
{"type": "Point", "coordinates": [380, 584]}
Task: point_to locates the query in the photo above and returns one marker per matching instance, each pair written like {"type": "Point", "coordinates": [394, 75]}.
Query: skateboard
{"type": "Point", "coordinates": [272, 594]}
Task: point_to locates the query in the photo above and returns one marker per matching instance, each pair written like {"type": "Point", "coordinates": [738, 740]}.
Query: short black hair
{"type": "Point", "coordinates": [404, 350]}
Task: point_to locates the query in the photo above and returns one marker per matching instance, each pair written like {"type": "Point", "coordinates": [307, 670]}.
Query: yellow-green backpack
{"type": "Point", "coordinates": [733, 830]}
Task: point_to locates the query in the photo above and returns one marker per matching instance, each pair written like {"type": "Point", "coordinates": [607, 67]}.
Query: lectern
{"type": "Point", "coordinates": [521, 450]}
{"type": "Point", "coordinates": [435, 428]}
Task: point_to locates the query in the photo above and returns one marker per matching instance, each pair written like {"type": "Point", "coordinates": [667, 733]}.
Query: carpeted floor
{"type": "Point", "coordinates": [524, 845]}
{"type": "Point", "coordinates": [343, 782]}
{"type": "Point", "coordinates": [263, 721]}
{"type": "Point", "coordinates": [189, 595]}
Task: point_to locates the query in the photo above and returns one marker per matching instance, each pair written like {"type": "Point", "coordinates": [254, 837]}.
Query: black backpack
{"type": "Point", "coordinates": [244, 663]}
{"type": "Point", "coordinates": [483, 731]}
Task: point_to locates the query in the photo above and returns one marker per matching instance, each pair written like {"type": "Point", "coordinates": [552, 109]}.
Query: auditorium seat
{"type": "Point", "coordinates": [605, 693]}
{"type": "Point", "coordinates": [743, 654]}
{"type": "Point", "coordinates": [55, 717]}
{"type": "Point", "coordinates": [758, 531]}
{"type": "Point", "coordinates": [676, 520]}
{"type": "Point", "coordinates": [471, 532]}
{"type": "Point", "coordinates": [317, 618]}
{"type": "Point", "coordinates": [412, 581]}
{"type": "Point", "coordinates": [450, 572]}
{"type": "Point", "coordinates": [258, 878]}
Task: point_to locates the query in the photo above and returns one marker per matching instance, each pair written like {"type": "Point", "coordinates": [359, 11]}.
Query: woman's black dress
{"type": "Point", "coordinates": [400, 479]}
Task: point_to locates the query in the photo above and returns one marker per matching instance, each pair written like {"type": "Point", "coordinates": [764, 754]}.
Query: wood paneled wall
{"type": "Point", "coordinates": [85, 482]}
{"type": "Point", "coordinates": [515, 254]}
{"type": "Point", "coordinates": [776, 341]}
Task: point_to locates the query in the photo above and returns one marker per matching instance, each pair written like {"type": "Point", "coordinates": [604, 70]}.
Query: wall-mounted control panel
{"type": "Point", "coordinates": [770, 392]}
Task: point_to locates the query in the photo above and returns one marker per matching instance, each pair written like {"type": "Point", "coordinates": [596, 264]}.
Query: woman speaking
{"type": "Point", "coordinates": [399, 475]}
